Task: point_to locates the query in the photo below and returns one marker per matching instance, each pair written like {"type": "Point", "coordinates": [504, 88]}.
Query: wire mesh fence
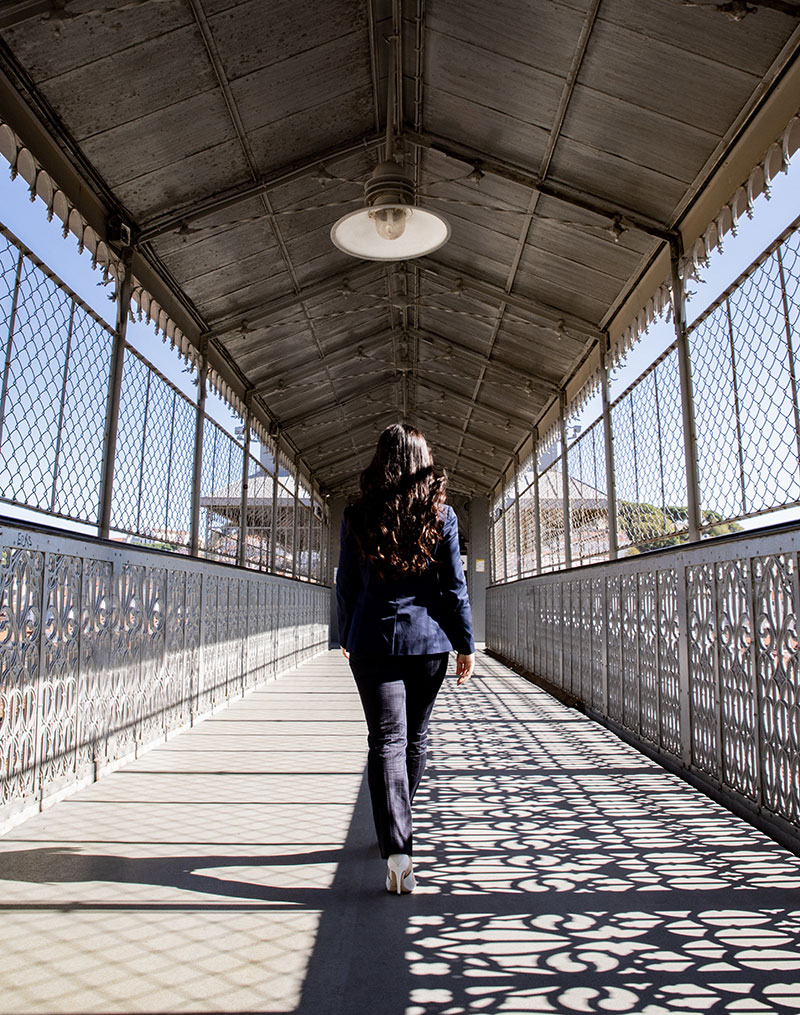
{"type": "Point", "coordinates": [53, 391]}
{"type": "Point", "coordinates": [740, 392]}
{"type": "Point", "coordinates": [745, 359]}
{"type": "Point", "coordinates": [55, 388]}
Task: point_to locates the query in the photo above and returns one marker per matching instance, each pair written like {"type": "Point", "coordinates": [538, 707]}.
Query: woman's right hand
{"type": "Point", "coordinates": [465, 666]}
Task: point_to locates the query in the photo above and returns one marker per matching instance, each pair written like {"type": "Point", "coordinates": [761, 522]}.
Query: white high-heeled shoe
{"type": "Point", "coordinates": [400, 874]}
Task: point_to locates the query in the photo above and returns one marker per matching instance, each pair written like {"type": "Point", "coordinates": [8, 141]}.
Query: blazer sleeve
{"type": "Point", "coordinates": [457, 617]}
{"type": "Point", "coordinates": [348, 581]}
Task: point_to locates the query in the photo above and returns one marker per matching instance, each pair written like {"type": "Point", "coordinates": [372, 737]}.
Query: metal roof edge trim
{"type": "Point", "coordinates": [762, 150]}
{"type": "Point", "coordinates": [41, 183]}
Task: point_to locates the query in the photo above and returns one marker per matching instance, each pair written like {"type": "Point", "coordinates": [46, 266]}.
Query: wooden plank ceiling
{"type": "Point", "coordinates": [563, 139]}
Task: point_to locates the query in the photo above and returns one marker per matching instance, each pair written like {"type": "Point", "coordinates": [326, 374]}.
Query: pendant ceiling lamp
{"type": "Point", "coordinates": [390, 226]}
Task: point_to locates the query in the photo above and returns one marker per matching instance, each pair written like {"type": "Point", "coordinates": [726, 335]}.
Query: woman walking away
{"type": "Point", "coordinates": [403, 608]}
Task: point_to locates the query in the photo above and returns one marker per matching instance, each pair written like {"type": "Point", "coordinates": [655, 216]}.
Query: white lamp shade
{"type": "Point", "coordinates": [355, 234]}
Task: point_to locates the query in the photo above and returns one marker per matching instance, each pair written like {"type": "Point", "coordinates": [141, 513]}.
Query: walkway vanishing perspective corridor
{"type": "Point", "coordinates": [233, 869]}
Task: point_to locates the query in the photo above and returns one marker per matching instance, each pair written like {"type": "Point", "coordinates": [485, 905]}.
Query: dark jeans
{"type": "Point", "coordinates": [397, 693]}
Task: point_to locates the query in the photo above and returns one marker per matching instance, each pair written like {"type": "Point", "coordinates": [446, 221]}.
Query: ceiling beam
{"type": "Point", "coordinates": [499, 446]}
{"type": "Point", "coordinates": [287, 424]}
{"type": "Point", "coordinates": [163, 224]}
{"type": "Point", "coordinates": [458, 396]}
{"type": "Point", "coordinates": [23, 10]}
{"type": "Point", "coordinates": [250, 316]}
{"type": "Point", "coordinates": [344, 355]}
{"type": "Point", "coordinates": [495, 293]}
{"type": "Point", "coordinates": [514, 373]}
{"type": "Point", "coordinates": [533, 181]}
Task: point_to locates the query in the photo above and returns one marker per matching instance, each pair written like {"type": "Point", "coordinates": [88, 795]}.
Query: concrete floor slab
{"type": "Point", "coordinates": [234, 869]}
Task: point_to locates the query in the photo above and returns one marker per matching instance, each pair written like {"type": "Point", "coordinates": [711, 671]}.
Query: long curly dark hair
{"type": "Point", "coordinates": [396, 520]}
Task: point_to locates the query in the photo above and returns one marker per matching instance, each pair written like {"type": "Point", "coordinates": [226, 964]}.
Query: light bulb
{"type": "Point", "coordinates": [390, 223]}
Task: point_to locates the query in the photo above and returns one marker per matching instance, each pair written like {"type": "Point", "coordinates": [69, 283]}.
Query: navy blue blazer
{"type": "Point", "coordinates": [424, 614]}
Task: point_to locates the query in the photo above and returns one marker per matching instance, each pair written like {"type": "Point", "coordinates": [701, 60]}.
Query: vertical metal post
{"type": "Point", "coordinates": [790, 350]}
{"type": "Point", "coordinates": [197, 470]}
{"type": "Point", "coordinates": [169, 467]}
{"type": "Point", "coordinates": [60, 429]}
{"type": "Point", "coordinates": [10, 344]}
{"type": "Point", "coordinates": [142, 456]}
{"type": "Point", "coordinates": [492, 567]}
{"type": "Point", "coordinates": [608, 434]}
{"type": "Point", "coordinates": [536, 504]}
{"type": "Point", "coordinates": [276, 452]}
{"type": "Point", "coordinates": [684, 668]}
{"type": "Point", "coordinates": [296, 505]}
{"type": "Point", "coordinates": [517, 518]}
{"type": "Point", "coordinates": [312, 524]}
{"type": "Point", "coordinates": [503, 523]}
{"type": "Point", "coordinates": [114, 394]}
{"type": "Point", "coordinates": [241, 555]}
{"type": "Point", "coordinates": [739, 443]}
{"type": "Point", "coordinates": [687, 396]}
{"type": "Point", "coordinates": [565, 478]}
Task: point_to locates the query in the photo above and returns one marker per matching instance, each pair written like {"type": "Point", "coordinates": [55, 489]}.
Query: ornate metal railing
{"type": "Point", "coordinates": [106, 648]}
{"type": "Point", "coordinates": [692, 653]}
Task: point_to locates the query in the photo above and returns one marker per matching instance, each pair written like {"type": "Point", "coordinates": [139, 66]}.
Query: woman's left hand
{"type": "Point", "coordinates": [345, 653]}
{"type": "Point", "coordinates": [465, 666]}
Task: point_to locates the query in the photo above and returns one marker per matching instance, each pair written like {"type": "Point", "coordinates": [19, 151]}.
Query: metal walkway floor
{"type": "Point", "coordinates": [233, 870]}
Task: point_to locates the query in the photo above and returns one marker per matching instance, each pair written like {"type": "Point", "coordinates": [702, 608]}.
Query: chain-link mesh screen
{"type": "Point", "coordinates": [745, 372]}
{"type": "Point", "coordinates": [259, 510]}
{"type": "Point", "coordinates": [220, 493]}
{"type": "Point", "coordinates": [498, 539]}
{"type": "Point", "coordinates": [55, 364]}
{"type": "Point", "coordinates": [510, 525]}
{"type": "Point", "coordinates": [551, 505]}
{"type": "Point", "coordinates": [744, 364]}
{"type": "Point", "coordinates": [284, 528]}
{"type": "Point", "coordinates": [588, 496]}
{"type": "Point", "coordinates": [528, 520]}
{"type": "Point", "coordinates": [649, 465]}
{"type": "Point", "coordinates": [56, 358]}
{"type": "Point", "coordinates": [153, 466]}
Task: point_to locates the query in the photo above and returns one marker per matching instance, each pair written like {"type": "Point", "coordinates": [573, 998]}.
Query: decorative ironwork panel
{"type": "Point", "coordinates": [629, 624]}
{"type": "Point", "coordinates": [207, 692]}
{"type": "Point", "coordinates": [557, 621]}
{"type": "Point", "coordinates": [98, 615]}
{"type": "Point", "coordinates": [132, 625]}
{"type": "Point", "coordinates": [703, 689]}
{"type": "Point", "coordinates": [58, 681]}
{"type": "Point", "coordinates": [152, 698]}
{"type": "Point", "coordinates": [192, 621]}
{"type": "Point", "coordinates": [585, 684]}
{"type": "Point", "coordinates": [20, 630]}
{"type": "Point", "coordinates": [598, 622]}
{"type": "Point", "coordinates": [736, 677]}
{"type": "Point", "coordinates": [648, 657]}
{"type": "Point", "coordinates": [775, 597]}
{"type": "Point", "coordinates": [614, 635]}
{"type": "Point", "coordinates": [177, 697]}
{"type": "Point", "coordinates": [669, 689]}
